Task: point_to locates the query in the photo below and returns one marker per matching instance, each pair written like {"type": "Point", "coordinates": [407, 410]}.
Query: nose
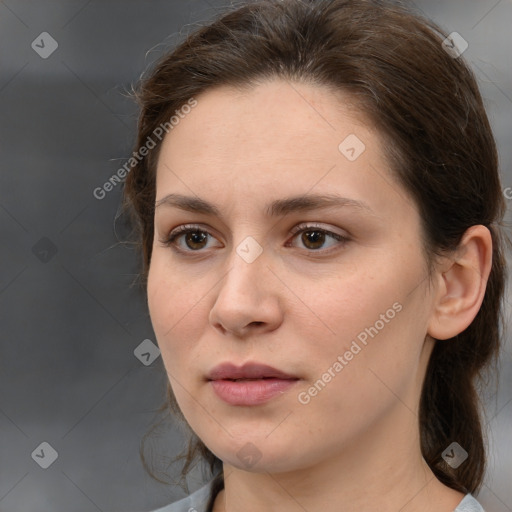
{"type": "Point", "coordinates": [247, 300]}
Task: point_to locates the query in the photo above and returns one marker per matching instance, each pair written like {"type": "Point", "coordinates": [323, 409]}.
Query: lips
{"type": "Point", "coordinates": [249, 371]}
{"type": "Point", "coordinates": [252, 384]}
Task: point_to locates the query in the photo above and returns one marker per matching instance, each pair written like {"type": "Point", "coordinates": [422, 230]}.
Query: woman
{"type": "Point", "coordinates": [320, 205]}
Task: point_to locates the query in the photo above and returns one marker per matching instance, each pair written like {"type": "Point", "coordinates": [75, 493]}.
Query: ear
{"type": "Point", "coordinates": [462, 280]}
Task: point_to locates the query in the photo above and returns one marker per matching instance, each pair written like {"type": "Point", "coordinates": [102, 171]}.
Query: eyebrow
{"type": "Point", "coordinates": [279, 207]}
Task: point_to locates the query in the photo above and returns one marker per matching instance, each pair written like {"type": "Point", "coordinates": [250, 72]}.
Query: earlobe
{"type": "Point", "coordinates": [462, 282]}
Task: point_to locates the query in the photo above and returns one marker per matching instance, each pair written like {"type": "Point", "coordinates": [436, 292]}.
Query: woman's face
{"type": "Point", "coordinates": [336, 296]}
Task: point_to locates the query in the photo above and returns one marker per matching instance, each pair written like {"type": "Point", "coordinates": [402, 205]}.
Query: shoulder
{"type": "Point", "coordinates": [469, 504]}
{"type": "Point", "coordinates": [195, 502]}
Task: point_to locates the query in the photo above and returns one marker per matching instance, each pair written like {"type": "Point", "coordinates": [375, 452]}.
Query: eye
{"type": "Point", "coordinates": [194, 238]}
{"type": "Point", "coordinates": [314, 238]}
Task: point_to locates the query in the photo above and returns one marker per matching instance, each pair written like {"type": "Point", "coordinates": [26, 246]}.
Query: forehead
{"type": "Point", "coordinates": [265, 122]}
{"type": "Point", "coordinates": [278, 138]}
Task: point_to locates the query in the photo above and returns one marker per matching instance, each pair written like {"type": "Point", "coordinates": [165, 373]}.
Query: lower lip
{"type": "Point", "coordinates": [250, 392]}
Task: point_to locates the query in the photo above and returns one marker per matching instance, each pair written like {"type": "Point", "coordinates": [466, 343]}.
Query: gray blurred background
{"type": "Point", "coordinates": [72, 373]}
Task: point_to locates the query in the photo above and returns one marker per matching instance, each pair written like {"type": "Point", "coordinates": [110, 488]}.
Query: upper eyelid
{"type": "Point", "coordinates": [298, 227]}
{"type": "Point", "coordinates": [311, 225]}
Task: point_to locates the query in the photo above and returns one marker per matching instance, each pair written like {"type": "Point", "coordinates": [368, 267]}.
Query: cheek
{"type": "Point", "coordinates": [161, 298]}
{"type": "Point", "coordinates": [372, 319]}
{"type": "Point", "coordinates": [173, 305]}
{"type": "Point", "coordinates": [170, 297]}
{"type": "Point", "coordinates": [343, 305]}
{"type": "Point", "coordinates": [352, 383]}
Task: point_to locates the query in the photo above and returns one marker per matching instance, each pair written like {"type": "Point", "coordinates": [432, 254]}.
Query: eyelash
{"type": "Point", "coordinates": [301, 228]}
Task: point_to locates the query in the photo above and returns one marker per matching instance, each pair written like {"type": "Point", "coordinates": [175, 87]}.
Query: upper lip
{"type": "Point", "coordinates": [249, 370]}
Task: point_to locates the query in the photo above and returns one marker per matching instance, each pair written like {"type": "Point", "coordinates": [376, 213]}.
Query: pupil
{"type": "Point", "coordinates": [314, 237]}
{"type": "Point", "coordinates": [196, 237]}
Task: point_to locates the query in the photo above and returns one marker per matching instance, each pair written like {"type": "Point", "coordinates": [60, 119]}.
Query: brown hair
{"type": "Point", "coordinates": [426, 103]}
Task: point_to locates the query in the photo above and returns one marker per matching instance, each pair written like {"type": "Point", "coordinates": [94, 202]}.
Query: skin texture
{"type": "Point", "coordinates": [298, 308]}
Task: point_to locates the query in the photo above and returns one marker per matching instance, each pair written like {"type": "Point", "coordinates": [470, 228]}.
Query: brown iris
{"type": "Point", "coordinates": [317, 238]}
